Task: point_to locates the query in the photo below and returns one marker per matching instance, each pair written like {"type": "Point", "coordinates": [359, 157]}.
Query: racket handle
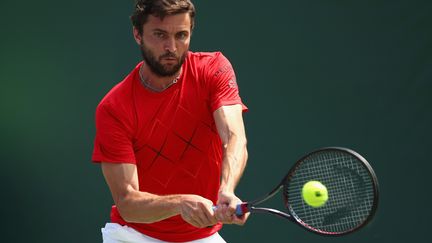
{"type": "Point", "coordinates": [241, 209]}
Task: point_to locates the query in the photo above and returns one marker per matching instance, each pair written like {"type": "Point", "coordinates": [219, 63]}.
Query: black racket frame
{"type": "Point", "coordinates": [290, 215]}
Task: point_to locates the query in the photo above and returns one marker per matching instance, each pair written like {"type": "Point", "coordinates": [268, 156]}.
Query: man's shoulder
{"type": "Point", "coordinates": [120, 93]}
{"type": "Point", "coordinates": [205, 57]}
{"type": "Point", "coordinates": [208, 61]}
{"type": "Point", "coordinates": [117, 93]}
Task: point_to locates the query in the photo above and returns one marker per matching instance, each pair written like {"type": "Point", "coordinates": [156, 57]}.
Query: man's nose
{"type": "Point", "coordinates": [170, 45]}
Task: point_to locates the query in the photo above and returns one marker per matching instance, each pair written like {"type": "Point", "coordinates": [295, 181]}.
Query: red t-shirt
{"type": "Point", "coordinates": [171, 137]}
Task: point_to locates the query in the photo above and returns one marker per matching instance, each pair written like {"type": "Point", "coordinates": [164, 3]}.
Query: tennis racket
{"type": "Point", "coordinates": [352, 192]}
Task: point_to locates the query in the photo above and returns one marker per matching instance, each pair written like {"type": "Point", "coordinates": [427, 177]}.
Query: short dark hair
{"type": "Point", "coordinates": [160, 8]}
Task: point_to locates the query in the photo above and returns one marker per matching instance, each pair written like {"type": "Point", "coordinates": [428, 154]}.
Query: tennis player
{"type": "Point", "coordinates": [170, 137]}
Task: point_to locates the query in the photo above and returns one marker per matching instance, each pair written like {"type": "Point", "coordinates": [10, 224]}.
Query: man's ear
{"type": "Point", "coordinates": [137, 36]}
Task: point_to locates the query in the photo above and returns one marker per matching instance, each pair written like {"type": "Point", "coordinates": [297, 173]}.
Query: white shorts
{"type": "Point", "coordinates": [115, 233]}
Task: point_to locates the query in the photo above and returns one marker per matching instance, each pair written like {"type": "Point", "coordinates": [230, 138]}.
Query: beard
{"type": "Point", "coordinates": [155, 64]}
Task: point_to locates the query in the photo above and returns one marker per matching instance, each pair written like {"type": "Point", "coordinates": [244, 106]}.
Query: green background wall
{"type": "Point", "coordinates": [353, 73]}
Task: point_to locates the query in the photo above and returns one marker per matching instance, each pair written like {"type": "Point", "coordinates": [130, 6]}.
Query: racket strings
{"type": "Point", "coordinates": [350, 188]}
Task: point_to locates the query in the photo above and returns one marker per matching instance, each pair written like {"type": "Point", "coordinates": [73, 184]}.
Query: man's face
{"type": "Point", "coordinates": [164, 43]}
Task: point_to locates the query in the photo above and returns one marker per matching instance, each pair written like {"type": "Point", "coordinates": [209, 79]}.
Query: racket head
{"type": "Point", "coordinates": [352, 191]}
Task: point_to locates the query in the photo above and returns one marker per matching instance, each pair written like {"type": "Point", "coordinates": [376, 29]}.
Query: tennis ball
{"type": "Point", "coordinates": [314, 194]}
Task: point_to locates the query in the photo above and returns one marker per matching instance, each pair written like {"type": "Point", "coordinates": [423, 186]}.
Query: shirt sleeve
{"type": "Point", "coordinates": [222, 83]}
{"type": "Point", "coordinates": [113, 142]}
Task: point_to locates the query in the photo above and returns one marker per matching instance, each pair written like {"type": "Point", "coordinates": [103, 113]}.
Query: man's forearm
{"type": "Point", "coordinates": [143, 207]}
{"type": "Point", "coordinates": [234, 162]}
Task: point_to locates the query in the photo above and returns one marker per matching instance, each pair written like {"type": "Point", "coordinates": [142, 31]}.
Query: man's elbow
{"type": "Point", "coordinates": [124, 209]}
{"type": "Point", "coordinates": [235, 138]}
{"type": "Point", "coordinates": [243, 144]}
{"type": "Point", "coordinates": [127, 211]}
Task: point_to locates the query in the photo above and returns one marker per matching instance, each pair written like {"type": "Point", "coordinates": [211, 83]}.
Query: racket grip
{"type": "Point", "coordinates": [241, 209]}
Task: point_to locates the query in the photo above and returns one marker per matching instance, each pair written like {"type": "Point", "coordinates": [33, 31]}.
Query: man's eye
{"type": "Point", "coordinates": [159, 35]}
{"type": "Point", "coordinates": [182, 36]}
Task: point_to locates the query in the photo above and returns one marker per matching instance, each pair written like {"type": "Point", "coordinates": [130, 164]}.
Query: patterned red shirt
{"type": "Point", "coordinates": [171, 136]}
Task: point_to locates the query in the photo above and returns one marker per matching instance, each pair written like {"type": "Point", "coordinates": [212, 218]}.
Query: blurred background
{"type": "Point", "coordinates": [352, 73]}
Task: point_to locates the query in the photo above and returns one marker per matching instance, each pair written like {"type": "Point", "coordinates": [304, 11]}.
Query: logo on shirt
{"type": "Point", "coordinates": [222, 70]}
{"type": "Point", "coordinates": [232, 83]}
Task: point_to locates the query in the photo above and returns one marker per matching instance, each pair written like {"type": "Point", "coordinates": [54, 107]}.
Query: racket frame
{"type": "Point", "coordinates": [251, 206]}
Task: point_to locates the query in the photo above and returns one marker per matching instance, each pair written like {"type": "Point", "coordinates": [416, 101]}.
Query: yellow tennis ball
{"type": "Point", "coordinates": [314, 194]}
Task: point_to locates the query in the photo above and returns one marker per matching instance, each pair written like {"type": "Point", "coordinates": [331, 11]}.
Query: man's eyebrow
{"type": "Point", "coordinates": [160, 30]}
{"type": "Point", "coordinates": [164, 31]}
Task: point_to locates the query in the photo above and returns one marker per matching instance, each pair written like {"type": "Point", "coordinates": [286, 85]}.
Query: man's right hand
{"type": "Point", "coordinates": [197, 211]}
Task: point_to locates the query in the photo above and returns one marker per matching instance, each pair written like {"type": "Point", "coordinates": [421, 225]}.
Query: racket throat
{"type": "Point", "coordinates": [271, 211]}
{"type": "Point", "coordinates": [246, 208]}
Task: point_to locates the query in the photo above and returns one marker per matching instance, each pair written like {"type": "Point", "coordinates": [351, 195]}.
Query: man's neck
{"type": "Point", "coordinates": [155, 82]}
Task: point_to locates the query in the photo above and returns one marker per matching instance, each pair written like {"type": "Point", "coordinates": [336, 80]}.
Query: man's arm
{"type": "Point", "coordinates": [142, 207]}
{"type": "Point", "coordinates": [229, 123]}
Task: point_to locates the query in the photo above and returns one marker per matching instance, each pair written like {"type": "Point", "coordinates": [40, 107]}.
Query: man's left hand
{"type": "Point", "coordinates": [226, 209]}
